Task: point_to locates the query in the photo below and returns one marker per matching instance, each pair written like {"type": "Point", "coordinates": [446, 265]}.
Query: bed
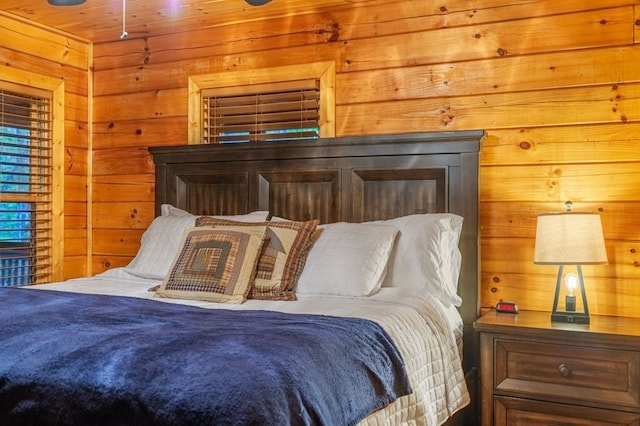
{"type": "Point", "coordinates": [345, 277]}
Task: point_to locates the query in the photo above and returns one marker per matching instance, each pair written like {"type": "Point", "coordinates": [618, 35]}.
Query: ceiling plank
{"type": "Point", "coordinates": [101, 20]}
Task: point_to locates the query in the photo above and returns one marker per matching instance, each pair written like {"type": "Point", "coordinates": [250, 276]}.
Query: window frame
{"type": "Point", "coordinates": [22, 81]}
{"type": "Point", "coordinates": [323, 71]}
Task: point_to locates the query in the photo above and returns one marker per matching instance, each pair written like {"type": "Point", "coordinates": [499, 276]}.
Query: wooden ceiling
{"type": "Point", "coordinates": [101, 20]}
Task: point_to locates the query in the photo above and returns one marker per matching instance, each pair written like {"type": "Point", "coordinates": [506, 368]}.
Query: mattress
{"type": "Point", "coordinates": [427, 334]}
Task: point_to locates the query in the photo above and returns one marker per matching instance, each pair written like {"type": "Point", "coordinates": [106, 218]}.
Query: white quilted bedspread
{"type": "Point", "coordinates": [432, 361]}
{"type": "Point", "coordinates": [417, 324]}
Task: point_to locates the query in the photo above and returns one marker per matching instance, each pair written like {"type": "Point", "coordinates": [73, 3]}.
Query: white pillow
{"type": "Point", "coordinates": [160, 242]}
{"type": "Point", "coordinates": [348, 259]}
{"type": "Point", "coordinates": [256, 216]}
{"type": "Point", "coordinates": [426, 255]}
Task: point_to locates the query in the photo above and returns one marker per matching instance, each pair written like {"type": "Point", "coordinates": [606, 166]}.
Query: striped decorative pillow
{"type": "Point", "coordinates": [283, 259]}
{"type": "Point", "coordinates": [217, 265]}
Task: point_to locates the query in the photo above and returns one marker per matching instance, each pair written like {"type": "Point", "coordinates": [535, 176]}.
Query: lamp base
{"type": "Point", "coordinates": [572, 317]}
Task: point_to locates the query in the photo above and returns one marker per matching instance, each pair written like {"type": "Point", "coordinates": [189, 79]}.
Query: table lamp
{"type": "Point", "coordinates": [570, 238]}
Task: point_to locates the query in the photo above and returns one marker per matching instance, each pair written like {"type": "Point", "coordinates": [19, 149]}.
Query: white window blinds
{"type": "Point", "coordinates": [25, 187]}
{"type": "Point", "coordinates": [265, 112]}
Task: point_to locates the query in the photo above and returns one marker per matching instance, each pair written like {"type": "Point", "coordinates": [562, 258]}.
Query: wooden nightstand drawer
{"type": "Point", "coordinates": [585, 374]}
{"type": "Point", "coordinates": [535, 372]}
{"type": "Point", "coordinates": [522, 412]}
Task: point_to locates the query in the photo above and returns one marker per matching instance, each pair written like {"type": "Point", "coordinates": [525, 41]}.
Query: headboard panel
{"type": "Point", "coordinates": [301, 195]}
{"type": "Point", "coordinates": [388, 193]}
{"type": "Point", "coordinates": [351, 179]}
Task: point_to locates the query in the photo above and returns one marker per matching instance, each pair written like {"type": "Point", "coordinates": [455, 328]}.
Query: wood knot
{"type": "Point", "coordinates": [334, 34]}
{"type": "Point", "coordinates": [525, 145]}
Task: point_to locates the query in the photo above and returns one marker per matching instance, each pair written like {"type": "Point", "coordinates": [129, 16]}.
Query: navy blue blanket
{"type": "Point", "coordinates": [81, 359]}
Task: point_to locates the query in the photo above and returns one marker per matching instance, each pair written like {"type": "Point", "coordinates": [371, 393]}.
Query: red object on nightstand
{"type": "Point", "coordinates": [507, 307]}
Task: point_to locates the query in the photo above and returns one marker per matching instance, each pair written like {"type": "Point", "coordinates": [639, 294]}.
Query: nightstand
{"type": "Point", "coordinates": [534, 372]}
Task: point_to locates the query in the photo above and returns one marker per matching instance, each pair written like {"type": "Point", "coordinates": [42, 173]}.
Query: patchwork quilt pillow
{"type": "Point", "coordinates": [160, 242]}
{"type": "Point", "coordinates": [283, 259]}
{"type": "Point", "coordinates": [216, 265]}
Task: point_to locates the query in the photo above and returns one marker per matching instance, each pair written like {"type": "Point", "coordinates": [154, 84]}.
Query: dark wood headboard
{"type": "Point", "coordinates": [351, 179]}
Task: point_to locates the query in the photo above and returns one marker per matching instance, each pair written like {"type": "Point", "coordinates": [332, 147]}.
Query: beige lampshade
{"type": "Point", "coordinates": [569, 239]}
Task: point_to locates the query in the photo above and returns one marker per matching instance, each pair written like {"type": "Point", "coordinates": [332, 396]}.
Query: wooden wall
{"type": "Point", "coordinates": [42, 52]}
{"type": "Point", "coordinates": [556, 84]}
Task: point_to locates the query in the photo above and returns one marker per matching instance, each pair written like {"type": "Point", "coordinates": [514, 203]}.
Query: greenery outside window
{"type": "Point", "coordinates": [28, 224]}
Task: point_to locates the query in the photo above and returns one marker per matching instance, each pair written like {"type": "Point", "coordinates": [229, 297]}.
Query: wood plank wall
{"type": "Point", "coordinates": [49, 53]}
{"type": "Point", "coordinates": [555, 84]}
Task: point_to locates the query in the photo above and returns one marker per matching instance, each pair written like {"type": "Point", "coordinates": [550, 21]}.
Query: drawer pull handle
{"type": "Point", "coordinates": [564, 371]}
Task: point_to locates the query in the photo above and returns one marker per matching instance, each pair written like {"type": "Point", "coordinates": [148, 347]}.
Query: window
{"type": "Point", "coordinates": [284, 103]}
{"type": "Point", "coordinates": [258, 113]}
{"type": "Point", "coordinates": [26, 185]}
